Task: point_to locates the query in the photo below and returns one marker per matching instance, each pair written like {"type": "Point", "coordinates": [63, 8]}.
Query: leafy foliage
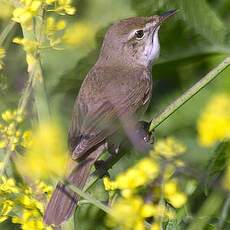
{"type": "Point", "coordinates": [192, 43]}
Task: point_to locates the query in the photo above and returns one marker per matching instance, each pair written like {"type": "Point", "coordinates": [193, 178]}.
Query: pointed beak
{"type": "Point", "coordinates": [163, 17]}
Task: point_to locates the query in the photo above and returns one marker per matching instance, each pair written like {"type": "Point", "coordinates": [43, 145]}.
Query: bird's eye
{"type": "Point", "coordinates": [139, 34]}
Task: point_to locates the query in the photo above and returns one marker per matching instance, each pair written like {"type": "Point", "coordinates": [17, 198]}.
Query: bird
{"type": "Point", "coordinates": [113, 96]}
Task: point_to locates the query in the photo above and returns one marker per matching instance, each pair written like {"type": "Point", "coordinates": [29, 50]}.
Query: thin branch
{"type": "Point", "coordinates": [90, 198]}
{"type": "Point", "coordinates": [166, 113]}
{"type": "Point", "coordinates": [173, 107]}
{"type": "Point", "coordinates": [224, 212]}
{"type": "Point", "coordinates": [6, 31]}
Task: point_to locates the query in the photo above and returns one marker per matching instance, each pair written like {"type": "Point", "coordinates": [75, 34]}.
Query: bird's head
{"type": "Point", "coordinates": [134, 40]}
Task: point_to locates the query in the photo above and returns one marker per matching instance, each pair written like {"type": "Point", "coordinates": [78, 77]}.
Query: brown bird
{"type": "Point", "coordinates": [114, 94]}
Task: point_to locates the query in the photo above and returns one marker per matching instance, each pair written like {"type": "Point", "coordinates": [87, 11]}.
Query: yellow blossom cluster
{"type": "Point", "coordinates": [214, 122]}
{"type": "Point", "coordinates": [23, 204]}
{"type": "Point", "coordinates": [31, 8]}
{"type": "Point", "coordinates": [168, 148]}
{"type": "Point", "coordinates": [2, 55]}
{"type": "Point", "coordinates": [30, 47]}
{"type": "Point", "coordinates": [48, 150]}
{"type": "Point", "coordinates": [135, 211]}
{"type": "Point", "coordinates": [6, 10]}
{"type": "Point", "coordinates": [152, 174]}
{"type": "Point", "coordinates": [145, 170]}
{"type": "Point", "coordinates": [10, 133]}
{"type": "Point", "coordinates": [78, 34]}
{"type": "Point", "coordinates": [26, 11]}
{"type": "Point", "coordinates": [173, 194]}
{"type": "Point", "coordinates": [52, 29]}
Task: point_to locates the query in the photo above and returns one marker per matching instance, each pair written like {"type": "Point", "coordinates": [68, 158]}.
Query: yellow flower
{"type": "Point", "coordinates": [52, 29]}
{"type": "Point", "coordinates": [6, 10]}
{"type": "Point", "coordinates": [109, 185]}
{"type": "Point", "coordinates": [47, 151]}
{"type": "Point", "coordinates": [30, 47]}
{"type": "Point", "coordinates": [168, 148]}
{"type": "Point", "coordinates": [141, 173]}
{"type": "Point", "coordinates": [7, 207]}
{"type": "Point", "coordinates": [214, 123]}
{"type": "Point", "coordinates": [8, 186]}
{"type": "Point", "coordinates": [44, 188]}
{"type": "Point", "coordinates": [9, 129]}
{"type": "Point", "coordinates": [131, 212]}
{"type": "Point", "coordinates": [26, 12]}
{"type": "Point", "coordinates": [170, 188]}
{"type": "Point", "coordinates": [156, 226]}
{"type": "Point", "coordinates": [26, 139]}
{"type": "Point", "coordinates": [7, 116]}
{"type": "Point", "coordinates": [64, 7]}
{"type": "Point", "coordinates": [78, 34]}
{"type": "Point", "coordinates": [3, 144]}
{"type": "Point", "coordinates": [24, 205]}
{"type": "Point", "coordinates": [172, 193]}
{"type": "Point", "coordinates": [30, 220]}
{"type": "Point", "coordinates": [178, 199]}
{"type": "Point", "coordinates": [134, 211]}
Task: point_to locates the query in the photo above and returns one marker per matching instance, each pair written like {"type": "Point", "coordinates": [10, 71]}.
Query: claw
{"type": "Point", "coordinates": [147, 136]}
{"type": "Point", "coordinates": [101, 168]}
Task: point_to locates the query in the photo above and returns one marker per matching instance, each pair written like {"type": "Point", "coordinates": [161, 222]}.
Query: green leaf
{"type": "Point", "coordinates": [197, 15]}
{"type": "Point", "coordinates": [218, 162]}
{"type": "Point", "coordinates": [220, 159]}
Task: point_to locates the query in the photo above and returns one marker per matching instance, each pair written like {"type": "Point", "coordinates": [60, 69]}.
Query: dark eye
{"type": "Point", "coordinates": [139, 34]}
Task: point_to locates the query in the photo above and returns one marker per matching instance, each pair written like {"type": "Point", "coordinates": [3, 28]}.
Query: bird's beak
{"type": "Point", "coordinates": [163, 17]}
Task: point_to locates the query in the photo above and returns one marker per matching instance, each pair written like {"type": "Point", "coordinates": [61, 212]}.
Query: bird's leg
{"type": "Point", "coordinates": [101, 168]}
{"type": "Point", "coordinates": [143, 131]}
{"type": "Point", "coordinates": [113, 148]}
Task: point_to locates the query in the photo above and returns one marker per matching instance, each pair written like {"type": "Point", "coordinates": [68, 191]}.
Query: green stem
{"type": "Point", "coordinates": [168, 111]}
{"type": "Point", "coordinates": [6, 31]}
{"type": "Point", "coordinates": [90, 199]}
{"type": "Point", "coordinates": [36, 80]}
{"type": "Point", "coordinates": [26, 93]}
{"type": "Point", "coordinates": [224, 212]}
{"type": "Point", "coordinates": [205, 213]}
{"type": "Point", "coordinates": [5, 161]}
{"type": "Point", "coordinates": [173, 107]}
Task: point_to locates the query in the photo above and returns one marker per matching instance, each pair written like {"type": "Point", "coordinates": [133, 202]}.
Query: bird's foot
{"type": "Point", "coordinates": [101, 168]}
{"type": "Point", "coordinates": [143, 131]}
{"type": "Point", "coordinates": [113, 149]}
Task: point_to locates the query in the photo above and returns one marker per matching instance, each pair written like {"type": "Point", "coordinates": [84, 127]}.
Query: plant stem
{"type": "Point", "coordinates": [205, 213]}
{"type": "Point", "coordinates": [167, 112]}
{"type": "Point", "coordinates": [224, 212]}
{"type": "Point", "coordinates": [90, 199]}
{"type": "Point", "coordinates": [6, 31]}
{"type": "Point", "coordinates": [5, 161]}
{"type": "Point", "coordinates": [36, 80]}
{"type": "Point", "coordinates": [173, 107]}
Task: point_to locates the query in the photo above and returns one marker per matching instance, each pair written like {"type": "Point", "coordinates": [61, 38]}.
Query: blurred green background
{"type": "Point", "coordinates": [192, 43]}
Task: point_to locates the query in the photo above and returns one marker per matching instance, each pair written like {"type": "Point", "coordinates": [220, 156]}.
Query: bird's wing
{"type": "Point", "coordinates": [96, 119]}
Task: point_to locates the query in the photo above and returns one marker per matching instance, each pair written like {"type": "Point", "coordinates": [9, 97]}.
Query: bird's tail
{"type": "Point", "coordinates": [63, 201]}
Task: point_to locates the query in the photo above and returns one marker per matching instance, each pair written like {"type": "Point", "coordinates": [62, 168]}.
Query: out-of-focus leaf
{"type": "Point", "coordinates": [172, 225]}
{"type": "Point", "coordinates": [209, 208]}
{"type": "Point", "coordinates": [218, 162]}
{"type": "Point", "coordinates": [197, 14]}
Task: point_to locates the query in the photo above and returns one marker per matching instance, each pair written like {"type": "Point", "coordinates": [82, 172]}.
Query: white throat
{"type": "Point", "coordinates": [155, 50]}
{"type": "Point", "coordinates": [152, 49]}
